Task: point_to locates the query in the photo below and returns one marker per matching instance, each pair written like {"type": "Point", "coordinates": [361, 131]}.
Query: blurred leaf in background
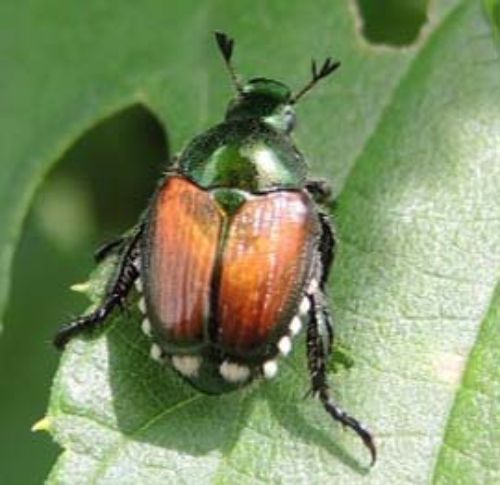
{"type": "Point", "coordinates": [99, 188]}
{"type": "Point", "coordinates": [409, 139]}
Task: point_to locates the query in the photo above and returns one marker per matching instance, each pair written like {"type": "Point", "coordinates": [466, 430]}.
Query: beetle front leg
{"type": "Point", "coordinates": [105, 249]}
{"type": "Point", "coordinates": [320, 191]}
{"type": "Point", "coordinates": [116, 294]}
{"type": "Point", "coordinates": [319, 338]}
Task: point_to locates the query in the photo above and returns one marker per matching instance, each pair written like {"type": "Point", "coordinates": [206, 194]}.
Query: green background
{"type": "Point", "coordinates": [95, 96]}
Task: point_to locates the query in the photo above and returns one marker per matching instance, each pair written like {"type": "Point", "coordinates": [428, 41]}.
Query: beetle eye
{"type": "Point", "coordinates": [290, 119]}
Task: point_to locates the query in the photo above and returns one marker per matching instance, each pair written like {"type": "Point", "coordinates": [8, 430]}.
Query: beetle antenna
{"type": "Point", "coordinates": [226, 45]}
{"type": "Point", "coordinates": [326, 69]}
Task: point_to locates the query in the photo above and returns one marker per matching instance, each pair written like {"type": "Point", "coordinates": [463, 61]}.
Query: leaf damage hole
{"type": "Point", "coordinates": [97, 190]}
{"type": "Point", "coordinates": [104, 181]}
{"type": "Point", "coordinates": [392, 22]}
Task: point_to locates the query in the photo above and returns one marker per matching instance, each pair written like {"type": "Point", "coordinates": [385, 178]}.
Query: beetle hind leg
{"type": "Point", "coordinates": [118, 289]}
{"type": "Point", "coordinates": [319, 341]}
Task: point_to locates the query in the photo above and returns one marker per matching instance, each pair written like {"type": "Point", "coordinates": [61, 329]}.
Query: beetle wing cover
{"type": "Point", "coordinates": [183, 245]}
{"type": "Point", "coordinates": [266, 260]}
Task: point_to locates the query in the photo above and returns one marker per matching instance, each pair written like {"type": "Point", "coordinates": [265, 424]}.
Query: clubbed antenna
{"type": "Point", "coordinates": [226, 45]}
{"type": "Point", "coordinates": [326, 69]}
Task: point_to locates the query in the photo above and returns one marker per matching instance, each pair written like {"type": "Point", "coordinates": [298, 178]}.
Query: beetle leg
{"type": "Point", "coordinates": [320, 191]}
{"type": "Point", "coordinates": [118, 290]}
{"type": "Point", "coordinates": [326, 248]}
{"type": "Point", "coordinates": [106, 248]}
{"type": "Point", "coordinates": [317, 353]}
{"type": "Point", "coordinates": [320, 336]}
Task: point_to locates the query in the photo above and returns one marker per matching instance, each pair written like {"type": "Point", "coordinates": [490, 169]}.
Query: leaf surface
{"type": "Point", "coordinates": [410, 138]}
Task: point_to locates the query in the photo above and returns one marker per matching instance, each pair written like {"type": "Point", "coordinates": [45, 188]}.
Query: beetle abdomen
{"type": "Point", "coordinates": [226, 274]}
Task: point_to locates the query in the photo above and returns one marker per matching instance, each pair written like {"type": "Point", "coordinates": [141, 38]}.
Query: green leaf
{"type": "Point", "coordinates": [470, 448]}
{"type": "Point", "coordinates": [415, 136]}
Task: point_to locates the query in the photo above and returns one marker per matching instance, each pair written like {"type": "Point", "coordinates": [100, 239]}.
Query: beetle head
{"type": "Point", "coordinates": [266, 99]}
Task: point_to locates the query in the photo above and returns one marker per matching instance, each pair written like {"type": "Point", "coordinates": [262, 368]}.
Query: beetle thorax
{"type": "Point", "coordinates": [246, 154]}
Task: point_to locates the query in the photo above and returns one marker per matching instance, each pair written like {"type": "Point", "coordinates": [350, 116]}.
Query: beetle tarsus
{"type": "Point", "coordinates": [123, 282]}
{"type": "Point", "coordinates": [339, 415]}
{"type": "Point", "coordinates": [317, 354]}
{"type": "Point", "coordinates": [106, 248]}
{"type": "Point", "coordinates": [85, 322]}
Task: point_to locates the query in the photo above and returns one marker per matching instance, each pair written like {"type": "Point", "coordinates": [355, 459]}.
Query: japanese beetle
{"type": "Point", "coordinates": [233, 251]}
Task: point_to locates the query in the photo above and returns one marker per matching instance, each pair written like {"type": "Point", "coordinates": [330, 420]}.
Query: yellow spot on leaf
{"type": "Point", "coordinates": [42, 425]}
{"type": "Point", "coordinates": [449, 367]}
{"type": "Point", "coordinates": [80, 287]}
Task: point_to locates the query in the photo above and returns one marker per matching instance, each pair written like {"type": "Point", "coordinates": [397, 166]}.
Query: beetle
{"type": "Point", "coordinates": [234, 251]}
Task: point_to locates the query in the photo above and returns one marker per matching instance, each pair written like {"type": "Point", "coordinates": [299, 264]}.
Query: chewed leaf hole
{"type": "Point", "coordinates": [392, 22]}
{"type": "Point", "coordinates": [116, 163]}
{"type": "Point", "coordinates": [95, 191]}
{"type": "Point", "coordinates": [104, 181]}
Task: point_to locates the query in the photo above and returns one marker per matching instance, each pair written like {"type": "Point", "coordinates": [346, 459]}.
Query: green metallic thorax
{"type": "Point", "coordinates": [245, 154]}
